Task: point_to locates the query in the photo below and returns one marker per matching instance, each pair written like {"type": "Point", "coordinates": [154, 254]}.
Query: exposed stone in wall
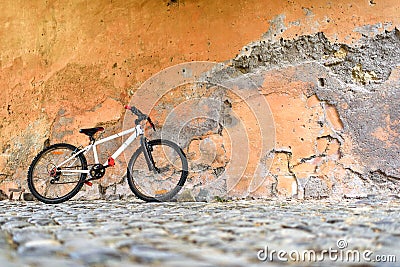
{"type": "Point", "coordinates": [369, 62]}
{"type": "Point", "coordinates": [334, 133]}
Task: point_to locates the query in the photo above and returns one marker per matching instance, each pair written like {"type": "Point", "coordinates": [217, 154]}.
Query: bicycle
{"type": "Point", "coordinates": [156, 171]}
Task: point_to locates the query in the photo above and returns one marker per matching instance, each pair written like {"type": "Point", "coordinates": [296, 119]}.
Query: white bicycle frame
{"type": "Point", "coordinates": [137, 131]}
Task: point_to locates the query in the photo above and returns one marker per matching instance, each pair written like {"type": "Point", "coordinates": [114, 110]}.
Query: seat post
{"type": "Point", "coordinates": [92, 140]}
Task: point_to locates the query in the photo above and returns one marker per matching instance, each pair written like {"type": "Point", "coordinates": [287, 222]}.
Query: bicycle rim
{"type": "Point", "coordinates": [55, 188]}
{"type": "Point", "coordinates": [168, 178]}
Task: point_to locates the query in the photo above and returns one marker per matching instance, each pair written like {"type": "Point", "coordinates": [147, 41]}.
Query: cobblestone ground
{"type": "Point", "coordinates": [132, 233]}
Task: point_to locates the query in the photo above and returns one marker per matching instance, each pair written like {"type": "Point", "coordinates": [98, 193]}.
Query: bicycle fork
{"type": "Point", "coordinates": [148, 155]}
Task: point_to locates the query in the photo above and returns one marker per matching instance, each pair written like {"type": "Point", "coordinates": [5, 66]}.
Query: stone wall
{"type": "Point", "coordinates": [325, 72]}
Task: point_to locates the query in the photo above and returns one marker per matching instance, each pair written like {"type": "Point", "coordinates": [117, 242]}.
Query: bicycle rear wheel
{"type": "Point", "coordinates": [47, 183]}
{"type": "Point", "coordinates": [171, 171]}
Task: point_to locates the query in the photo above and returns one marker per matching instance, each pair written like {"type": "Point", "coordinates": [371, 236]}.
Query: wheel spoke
{"type": "Point", "coordinates": [161, 186]}
{"type": "Point", "coordinates": [46, 183]}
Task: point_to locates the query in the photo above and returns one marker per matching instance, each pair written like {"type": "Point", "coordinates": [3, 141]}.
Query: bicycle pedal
{"type": "Point", "coordinates": [88, 183]}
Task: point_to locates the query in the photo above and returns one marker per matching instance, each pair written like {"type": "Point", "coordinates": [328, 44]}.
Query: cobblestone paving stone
{"type": "Point", "coordinates": [133, 233]}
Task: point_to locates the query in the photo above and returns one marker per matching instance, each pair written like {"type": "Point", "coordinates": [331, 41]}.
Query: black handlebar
{"type": "Point", "coordinates": [141, 116]}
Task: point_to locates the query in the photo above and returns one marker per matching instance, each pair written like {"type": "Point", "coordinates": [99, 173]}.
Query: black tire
{"type": "Point", "coordinates": [151, 187]}
{"type": "Point", "coordinates": [39, 178]}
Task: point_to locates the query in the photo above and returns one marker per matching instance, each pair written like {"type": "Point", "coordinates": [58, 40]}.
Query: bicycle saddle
{"type": "Point", "coordinates": [91, 131]}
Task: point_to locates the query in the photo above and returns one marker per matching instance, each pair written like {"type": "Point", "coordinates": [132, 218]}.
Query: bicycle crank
{"type": "Point", "coordinates": [97, 171]}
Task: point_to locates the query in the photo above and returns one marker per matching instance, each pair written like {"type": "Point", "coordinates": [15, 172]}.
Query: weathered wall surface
{"type": "Point", "coordinates": [337, 126]}
{"type": "Point", "coordinates": [332, 95]}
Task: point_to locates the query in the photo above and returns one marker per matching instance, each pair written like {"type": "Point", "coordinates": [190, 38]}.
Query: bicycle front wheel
{"type": "Point", "coordinates": [53, 185]}
{"type": "Point", "coordinates": [168, 176]}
